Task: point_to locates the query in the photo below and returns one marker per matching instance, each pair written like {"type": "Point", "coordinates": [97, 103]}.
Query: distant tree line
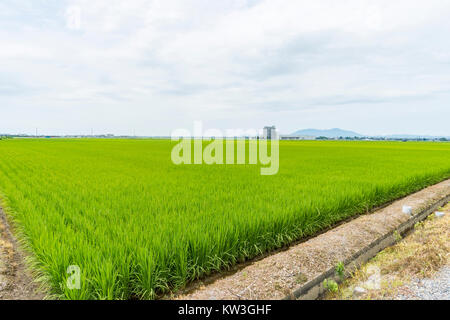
{"type": "Point", "coordinates": [382, 139]}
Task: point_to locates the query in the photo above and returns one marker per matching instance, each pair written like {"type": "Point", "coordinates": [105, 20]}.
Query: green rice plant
{"type": "Point", "coordinates": [139, 226]}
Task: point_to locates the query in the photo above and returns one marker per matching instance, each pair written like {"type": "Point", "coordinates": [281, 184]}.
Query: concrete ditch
{"type": "Point", "coordinates": [313, 289]}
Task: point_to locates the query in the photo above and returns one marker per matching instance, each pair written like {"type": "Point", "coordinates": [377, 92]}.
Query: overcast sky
{"type": "Point", "coordinates": [149, 67]}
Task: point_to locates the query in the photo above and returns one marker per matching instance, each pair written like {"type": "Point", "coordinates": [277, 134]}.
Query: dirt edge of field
{"type": "Point", "coordinates": [298, 271]}
{"type": "Point", "coordinates": [16, 280]}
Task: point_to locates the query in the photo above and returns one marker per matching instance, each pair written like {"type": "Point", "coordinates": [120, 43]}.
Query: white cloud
{"type": "Point", "coordinates": [159, 65]}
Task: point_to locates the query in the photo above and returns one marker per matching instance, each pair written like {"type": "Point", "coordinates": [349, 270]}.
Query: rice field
{"type": "Point", "coordinates": [139, 226]}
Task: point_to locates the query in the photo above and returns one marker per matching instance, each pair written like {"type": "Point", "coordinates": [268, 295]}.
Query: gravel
{"type": "Point", "coordinates": [358, 292]}
{"type": "Point", "coordinates": [436, 288]}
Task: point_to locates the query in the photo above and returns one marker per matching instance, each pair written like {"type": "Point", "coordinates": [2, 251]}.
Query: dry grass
{"type": "Point", "coordinates": [419, 255]}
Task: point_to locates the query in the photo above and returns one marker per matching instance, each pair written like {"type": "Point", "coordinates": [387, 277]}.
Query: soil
{"type": "Point", "coordinates": [15, 280]}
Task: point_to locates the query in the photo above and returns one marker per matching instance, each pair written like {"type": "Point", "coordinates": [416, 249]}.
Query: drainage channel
{"type": "Point", "coordinates": [314, 288]}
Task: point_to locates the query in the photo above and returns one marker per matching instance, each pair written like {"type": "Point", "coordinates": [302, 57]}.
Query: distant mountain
{"type": "Point", "coordinates": [330, 133]}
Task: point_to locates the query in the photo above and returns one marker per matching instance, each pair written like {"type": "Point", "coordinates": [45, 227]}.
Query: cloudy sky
{"type": "Point", "coordinates": [149, 67]}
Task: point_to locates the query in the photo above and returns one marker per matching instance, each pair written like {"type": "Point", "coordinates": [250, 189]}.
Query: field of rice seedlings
{"type": "Point", "coordinates": [139, 226]}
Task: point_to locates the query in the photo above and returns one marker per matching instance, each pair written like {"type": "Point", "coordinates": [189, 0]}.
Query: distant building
{"type": "Point", "coordinates": [269, 133]}
{"type": "Point", "coordinates": [297, 137]}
